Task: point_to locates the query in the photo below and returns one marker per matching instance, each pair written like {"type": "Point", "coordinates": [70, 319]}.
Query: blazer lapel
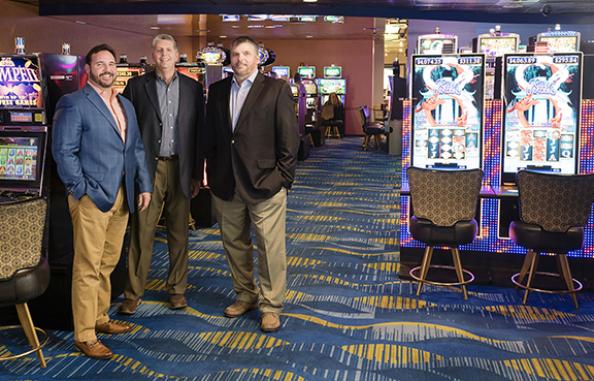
{"type": "Point", "coordinates": [96, 100]}
{"type": "Point", "coordinates": [251, 99]}
{"type": "Point", "coordinates": [226, 100]}
{"type": "Point", "coordinates": [151, 90]}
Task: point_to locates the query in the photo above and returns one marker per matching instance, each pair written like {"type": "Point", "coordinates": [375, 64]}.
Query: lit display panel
{"type": "Point", "coordinates": [541, 120]}
{"type": "Point", "coordinates": [448, 113]}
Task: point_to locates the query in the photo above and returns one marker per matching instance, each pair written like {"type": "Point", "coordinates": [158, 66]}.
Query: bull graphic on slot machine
{"type": "Point", "coordinates": [541, 102]}
{"type": "Point", "coordinates": [446, 102]}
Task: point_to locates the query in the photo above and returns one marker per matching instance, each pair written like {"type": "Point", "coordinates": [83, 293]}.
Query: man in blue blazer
{"type": "Point", "coordinates": [100, 159]}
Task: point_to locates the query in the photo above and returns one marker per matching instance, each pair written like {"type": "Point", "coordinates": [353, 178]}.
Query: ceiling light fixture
{"type": "Point", "coordinates": [310, 1]}
{"type": "Point", "coordinates": [155, 28]}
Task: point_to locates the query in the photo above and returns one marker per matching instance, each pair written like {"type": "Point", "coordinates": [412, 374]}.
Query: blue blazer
{"type": "Point", "coordinates": [91, 157]}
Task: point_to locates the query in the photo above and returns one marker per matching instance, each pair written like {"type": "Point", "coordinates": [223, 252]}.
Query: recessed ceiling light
{"type": "Point", "coordinates": [81, 22]}
{"type": "Point", "coordinates": [155, 28]}
{"type": "Point", "coordinates": [222, 36]}
{"type": "Point", "coordinates": [310, 1]}
{"type": "Point", "coordinates": [309, 36]}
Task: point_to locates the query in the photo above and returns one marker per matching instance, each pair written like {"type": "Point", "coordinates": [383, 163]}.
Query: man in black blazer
{"type": "Point", "coordinates": [170, 111]}
{"type": "Point", "coordinates": [251, 148]}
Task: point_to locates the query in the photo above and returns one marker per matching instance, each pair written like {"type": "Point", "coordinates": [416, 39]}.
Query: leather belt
{"type": "Point", "coordinates": [167, 158]}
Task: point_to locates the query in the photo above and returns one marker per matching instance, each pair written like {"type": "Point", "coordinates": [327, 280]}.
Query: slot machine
{"type": "Point", "coordinates": [494, 45]}
{"type": "Point", "coordinates": [125, 71]}
{"type": "Point", "coordinates": [213, 58]}
{"type": "Point", "coordinates": [308, 75]}
{"type": "Point", "coordinates": [437, 43]}
{"type": "Point", "coordinates": [23, 127]}
{"type": "Point", "coordinates": [332, 83]}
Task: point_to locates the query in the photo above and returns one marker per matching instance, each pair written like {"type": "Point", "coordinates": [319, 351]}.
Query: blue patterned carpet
{"type": "Point", "coordinates": [348, 316]}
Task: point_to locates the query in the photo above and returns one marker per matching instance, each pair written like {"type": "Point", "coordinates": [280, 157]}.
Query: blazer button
{"type": "Point", "coordinates": [232, 141]}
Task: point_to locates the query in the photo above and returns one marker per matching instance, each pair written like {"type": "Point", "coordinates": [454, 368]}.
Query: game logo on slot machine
{"type": "Point", "coordinates": [21, 93]}
{"type": "Point", "coordinates": [542, 95]}
{"type": "Point", "coordinates": [494, 45]}
{"type": "Point", "coordinates": [447, 111]}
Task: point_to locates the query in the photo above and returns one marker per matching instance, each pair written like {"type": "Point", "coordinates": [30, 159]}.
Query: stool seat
{"type": "Point", "coordinates": [461, 233]}
{"type": "Point", "coordinates": [532, 236]}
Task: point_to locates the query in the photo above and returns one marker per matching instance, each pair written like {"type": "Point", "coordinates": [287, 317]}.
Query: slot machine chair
{"type": "Point", "coordinates": [370, 129]}
{"type": "Point", "coordinates": [553, 212]}
{"type": "Point", "coordinates": [443, 206]}
{"type": "Point", "coordinates": [24, 270]}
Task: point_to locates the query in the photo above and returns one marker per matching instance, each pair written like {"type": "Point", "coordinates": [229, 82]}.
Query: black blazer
{"type": "Point", "coordinates": [142, 92]}
{"type": "Point", "coordinates": [260, 156]}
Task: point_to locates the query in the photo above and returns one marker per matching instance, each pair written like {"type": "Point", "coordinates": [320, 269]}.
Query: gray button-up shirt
{"type": "Point", "coordinates": [168, 96]}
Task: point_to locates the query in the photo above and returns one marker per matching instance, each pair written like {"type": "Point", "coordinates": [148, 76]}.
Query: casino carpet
{"type": "Point", "coordinates": [348, 316]}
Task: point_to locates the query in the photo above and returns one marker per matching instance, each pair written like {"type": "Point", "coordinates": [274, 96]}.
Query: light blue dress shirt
{"type": "Point", "coordinates": [238, 95]}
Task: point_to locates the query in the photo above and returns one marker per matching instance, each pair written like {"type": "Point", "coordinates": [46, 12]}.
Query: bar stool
{"type": "Point", "coordinates": [444, 205]}
{"type": "Point", "coordinates": [553, 212]}
{"type": "Point", "coordinates": [24, 270]}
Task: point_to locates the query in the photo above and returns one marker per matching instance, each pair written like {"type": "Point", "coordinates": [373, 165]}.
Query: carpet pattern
{"type": "Point", "coordinates": [348, 316]}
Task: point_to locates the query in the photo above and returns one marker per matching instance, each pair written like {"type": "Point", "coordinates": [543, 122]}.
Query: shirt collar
{"type": "Point", "coordinates": [249, 79]}
{"type": "Point", "coordinates": [161, 78]}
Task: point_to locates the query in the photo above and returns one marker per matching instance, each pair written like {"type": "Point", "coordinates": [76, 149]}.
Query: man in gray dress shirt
{"type": "Point", "coordinates": [170, 110]}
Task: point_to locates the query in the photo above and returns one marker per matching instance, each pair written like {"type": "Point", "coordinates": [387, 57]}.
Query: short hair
{"type": "Point", "coordinates": [242, 39]}
{"type": "Point", "coordinates": [97, 49]}
{"type": "Point", "coordinates": [164, 37]}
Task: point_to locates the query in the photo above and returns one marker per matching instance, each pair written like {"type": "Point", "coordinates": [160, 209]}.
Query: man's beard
{"type": "Point", "coordinates": [98, 81]}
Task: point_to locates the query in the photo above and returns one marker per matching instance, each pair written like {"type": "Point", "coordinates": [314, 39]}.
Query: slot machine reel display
{"type": "Point", "coordinates": [448, 110]}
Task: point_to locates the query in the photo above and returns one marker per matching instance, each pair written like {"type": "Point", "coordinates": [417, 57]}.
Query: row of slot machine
{"type": "Point", "coordinates": [500, 108]}
{"type": "Point", "coordinates": [318, 89]}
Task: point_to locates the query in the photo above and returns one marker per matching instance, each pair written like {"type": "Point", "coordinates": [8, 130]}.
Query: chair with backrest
{"type": "Point", "coordinates": [370, 129]}
{"type": "Point", "coordinates": [553, 212]}
{"type": "Point", "coordinates": [443, 205]}
{"type": "Point", "coordinates": [24, 270]}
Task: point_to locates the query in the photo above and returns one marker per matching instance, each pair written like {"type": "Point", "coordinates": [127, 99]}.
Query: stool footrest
{"type": "Point", "coordinates": [414, 270]}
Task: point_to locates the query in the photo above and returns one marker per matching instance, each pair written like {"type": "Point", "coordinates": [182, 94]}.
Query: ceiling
{"type": "Point", "coordinates": [518, 11]}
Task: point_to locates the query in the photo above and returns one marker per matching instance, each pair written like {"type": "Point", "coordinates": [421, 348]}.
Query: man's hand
{"type": "Point", "coordinates": [195, 188]}
{"type": "Point", "coordinates": [144, 199]}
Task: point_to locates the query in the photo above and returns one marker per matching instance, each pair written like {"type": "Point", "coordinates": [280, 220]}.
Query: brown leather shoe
{"type": "Point", "coordinates": [177, 302]}
{"type": "Point", "coordinates": [270, 322]}
{"type": "Point", "coordinates": [94, 349]}
{"type": "Point", "coordinates": [238, 308]}
{"type": "Point", "coordinates": [129, 306]}
{"type": "Point", "coordinates": [112, 327]}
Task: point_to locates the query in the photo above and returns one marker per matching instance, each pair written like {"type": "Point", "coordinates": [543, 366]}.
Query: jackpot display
{"type": "Point", "coordinates": [20, 82]}
{"type": "Point", "coordinates": [448, 111]}
{"type": "Point", "coordinates": [542, 113]}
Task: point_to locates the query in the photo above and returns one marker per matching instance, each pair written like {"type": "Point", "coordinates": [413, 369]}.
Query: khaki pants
{"type": "Point", "coordinates": [268, 216]}
{"type": "Point", "coordinates": [98, 239]}
{"type": "Point", "coordinates": [167, 198]}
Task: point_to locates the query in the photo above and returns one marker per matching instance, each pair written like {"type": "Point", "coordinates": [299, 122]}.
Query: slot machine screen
{"type": "Point", "coordinates": [542, 96]}
{"type": "Point", "coordinates": [307, 72]}
{"type": "Point", "coordinates": [282, 72]}
{"type": "Point", "coordinates": [497, 46]}
{"type": "Point", "coordinates": [437, 44]}
{"type": "Point", "coordinates": [329, 86]}
{"type": "Point", "coordinates": [561, 43]}
{"type": "Point", "coordinates": [124, 75]}
{"type": "Point", "coordinates": [447, 115]}
{"type": "Point", "coordinates": [21, 158]}
{"type": "Point", "coordinates": [20, 83]}
{"type": "Point", "coordinates": [332, 71]}
{"type": "Point", "coordinates": [310, 88]}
